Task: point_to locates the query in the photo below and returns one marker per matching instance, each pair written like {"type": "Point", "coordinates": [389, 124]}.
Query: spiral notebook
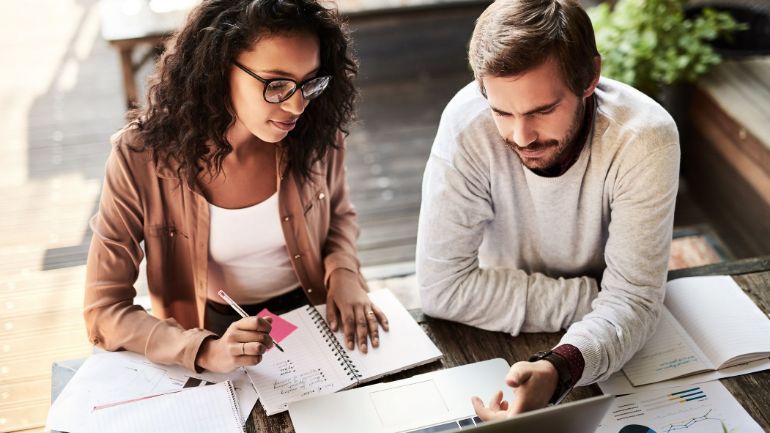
{"type": "Point", "coordinates": [202, 409]}
{"type": "Point", "coordinates": [315, 361]}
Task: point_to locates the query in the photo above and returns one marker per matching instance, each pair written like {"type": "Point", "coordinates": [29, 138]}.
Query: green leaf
{"type": "Point", "coordinates": [650, 43]}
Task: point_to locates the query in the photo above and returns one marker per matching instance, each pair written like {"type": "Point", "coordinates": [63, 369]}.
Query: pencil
{"type": "Point", "coordinates": [240, 311]}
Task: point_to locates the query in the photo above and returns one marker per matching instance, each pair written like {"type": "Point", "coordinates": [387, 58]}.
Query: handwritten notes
{"type": "Point", "coordinates": [305, 368]}
{"type": "Point", "coordinates": [304, 383]}
{"type": "Point", "coordinates": [314, 363]}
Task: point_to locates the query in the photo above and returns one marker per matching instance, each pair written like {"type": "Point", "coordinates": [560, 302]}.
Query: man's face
{"type": "Point", "coordinates": [536, 113]}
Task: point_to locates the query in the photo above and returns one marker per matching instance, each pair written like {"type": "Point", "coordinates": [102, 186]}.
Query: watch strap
{"type": "Point", "coordinates": [564, 381]}
{"type": "Point", "coordinates": [574, 359]}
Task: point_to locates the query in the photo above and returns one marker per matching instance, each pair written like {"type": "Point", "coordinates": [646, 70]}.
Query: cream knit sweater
{"type": "Point", "coordinates": [504, 249]}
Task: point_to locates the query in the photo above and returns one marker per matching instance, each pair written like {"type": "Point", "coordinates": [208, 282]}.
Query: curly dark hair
{"type": "Point", "coordinates": [188, 100]}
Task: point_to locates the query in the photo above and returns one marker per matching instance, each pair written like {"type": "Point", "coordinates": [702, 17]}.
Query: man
{"type": "Point", "coordinates": [548, 202]}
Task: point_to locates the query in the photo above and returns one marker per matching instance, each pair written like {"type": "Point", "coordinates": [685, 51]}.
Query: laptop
{"type": "Point", "coordinates": [439, 401]}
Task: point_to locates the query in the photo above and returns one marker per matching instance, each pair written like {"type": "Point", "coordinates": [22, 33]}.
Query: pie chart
{"type": "Point", "coordinates": [636, 428]}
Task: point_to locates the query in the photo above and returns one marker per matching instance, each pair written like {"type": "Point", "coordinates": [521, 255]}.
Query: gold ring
{"type": "Point", "coordinates": [243, 348]}
{"type": "Point", "coordinates": [370, 313]}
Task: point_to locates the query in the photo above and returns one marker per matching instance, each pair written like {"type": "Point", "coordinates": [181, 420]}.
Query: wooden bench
{"type": "Point", "coordinates": [132, 24]}
{"type": "Point", "coordinates": [726, 156]}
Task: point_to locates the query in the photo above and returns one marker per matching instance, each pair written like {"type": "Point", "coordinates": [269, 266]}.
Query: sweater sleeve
{"type": "Point", "coordinates": [627, 310]}
{"type": "Point", "coordinates": [456, 207]}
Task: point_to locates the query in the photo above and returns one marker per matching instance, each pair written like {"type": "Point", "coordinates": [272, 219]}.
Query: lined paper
{"type": "Point", "coordinates": [403, 347]}
{"type": "Point", "coordinates": [721, 318]}
{"type": "Point", "coordinates": [669, 353]}
{"type": "Point", "coordinates": [110, 377]}
{"type": "Point", "coordinates": [707, 323]}
{"type": "Point", "coordinates": [304, 369]}
{"type": "Point", "coordinates": [202, 409]}
{"type": "Point", "coordinates": [310, 366]}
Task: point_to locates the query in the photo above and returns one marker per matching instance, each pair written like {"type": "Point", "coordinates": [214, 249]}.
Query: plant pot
{"type": "Point", "coordinates": [751, 42]}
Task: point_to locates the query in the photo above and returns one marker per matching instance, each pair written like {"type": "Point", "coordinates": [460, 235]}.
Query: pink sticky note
{"type": "Point", "coordinates": [281, 328]}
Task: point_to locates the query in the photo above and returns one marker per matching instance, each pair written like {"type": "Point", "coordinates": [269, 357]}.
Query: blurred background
{"type": "Point", "coordinates": [72, 67]}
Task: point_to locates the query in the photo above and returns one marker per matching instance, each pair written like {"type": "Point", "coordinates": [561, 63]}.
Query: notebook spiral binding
{"type": "Point", "coordinates": [339, 352]}
{"type": "Point", "coordinates": [234, 403]}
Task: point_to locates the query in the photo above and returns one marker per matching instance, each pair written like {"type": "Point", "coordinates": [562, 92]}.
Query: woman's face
{"type": "Point", "coordinates": [289, 56]}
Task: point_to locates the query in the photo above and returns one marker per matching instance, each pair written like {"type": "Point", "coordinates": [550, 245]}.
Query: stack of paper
{"type": "Point", "coordinates": [708, 324]}
{"type": "Point", "coordinates": [703, 408]}
{"type": "Point", "coordinates": [112, 377]}
{"type": "Point", "coordinates": [202, 409]}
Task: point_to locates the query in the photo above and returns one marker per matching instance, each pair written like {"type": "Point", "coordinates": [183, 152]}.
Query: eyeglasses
{"type": "Point", "coordinates": [278, 90]}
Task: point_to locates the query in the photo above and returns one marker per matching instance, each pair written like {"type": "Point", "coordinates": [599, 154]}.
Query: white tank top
{"type": "Point", "coordinates": [247, 253]}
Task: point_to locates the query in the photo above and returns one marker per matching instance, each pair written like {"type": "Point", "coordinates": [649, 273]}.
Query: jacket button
{"type": "Point", "coordinates": [321, 196]}
{"type": "Point", "coordinates": [310, 290]}
{"type": "Point", "coordinates": [286, 219]}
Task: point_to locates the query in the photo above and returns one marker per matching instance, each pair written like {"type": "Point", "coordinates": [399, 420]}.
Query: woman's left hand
{"type": "Point", "coordinates": [347, 302]}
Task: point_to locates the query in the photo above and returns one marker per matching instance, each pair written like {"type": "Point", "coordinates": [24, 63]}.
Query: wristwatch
{"type": "Point", "coordinates": [564, 382]}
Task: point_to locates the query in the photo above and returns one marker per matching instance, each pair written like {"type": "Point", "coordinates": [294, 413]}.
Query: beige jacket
{"type": "Point", "coordinates": [142, 202]}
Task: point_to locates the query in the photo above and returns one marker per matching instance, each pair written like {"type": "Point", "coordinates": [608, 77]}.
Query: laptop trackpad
{"type": "Point", "coordinates": [408, 404]}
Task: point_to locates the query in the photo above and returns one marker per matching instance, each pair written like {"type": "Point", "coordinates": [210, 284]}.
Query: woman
{"type": "Point", "coordinates": [233, 177]}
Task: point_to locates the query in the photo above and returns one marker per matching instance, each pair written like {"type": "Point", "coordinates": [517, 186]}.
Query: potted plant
{"type": "Point", "coordinates": [652, 44]}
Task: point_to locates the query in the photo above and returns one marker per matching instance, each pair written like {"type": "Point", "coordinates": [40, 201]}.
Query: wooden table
{"type": "Point", "coordinates": [462, 344]}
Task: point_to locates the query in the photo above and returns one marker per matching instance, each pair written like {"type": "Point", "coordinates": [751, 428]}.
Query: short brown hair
{"type": "Point", "coordinates": [513, 36]}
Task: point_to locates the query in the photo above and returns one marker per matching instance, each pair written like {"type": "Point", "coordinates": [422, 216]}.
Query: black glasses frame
{"type": "Point", "coordinates": [297, 85]}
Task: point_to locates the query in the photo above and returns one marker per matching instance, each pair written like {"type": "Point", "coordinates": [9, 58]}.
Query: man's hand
{"type": "Point", "coordinates": [534, 384]}
{"type": "Point", "coordinates": [244, 343]}
{"type": "Point", "coordinates": [348, 302]}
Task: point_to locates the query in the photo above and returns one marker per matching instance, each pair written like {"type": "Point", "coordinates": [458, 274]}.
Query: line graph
{"type": "Point", "coordinates": [706, 407]}
{"type": "Point", "coordinates": [692, 422]}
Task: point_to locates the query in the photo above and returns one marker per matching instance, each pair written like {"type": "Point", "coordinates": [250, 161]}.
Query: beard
{"type": "Point", "coordinates": [557, 151]}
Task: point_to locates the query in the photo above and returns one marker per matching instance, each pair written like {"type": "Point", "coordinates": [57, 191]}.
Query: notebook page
{"type": "Point", "coordinates": [721, 318]}
{"type": "Point", "coordinates": [406, 345]}
{"type": "Point", "coordinates": [108, 377]}
{"type": "Point", "coordinates": [669, 353]}
{"type": "Point", "coordinates": [202, 409]}
{"type": "Point", "coordinates": [307, 367]}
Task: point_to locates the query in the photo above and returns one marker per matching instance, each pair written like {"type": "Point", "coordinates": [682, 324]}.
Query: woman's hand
{"type": "Point", "coordinates": [348, 302]}
{"type": "Point", "coordinates": [244, 343]}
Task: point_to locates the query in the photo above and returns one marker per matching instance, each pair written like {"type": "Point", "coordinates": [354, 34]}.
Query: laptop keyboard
{"type": "Point", "coordinates": [453, 425]}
